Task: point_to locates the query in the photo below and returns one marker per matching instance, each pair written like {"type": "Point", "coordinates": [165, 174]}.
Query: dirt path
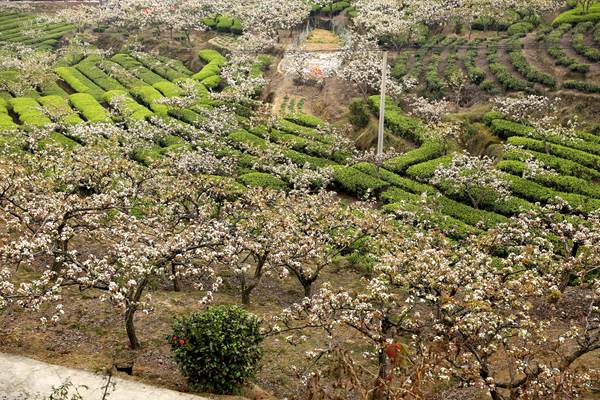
{"type": "Point", "coordinates": [503, 56]}
{"type": "Point", "coordinates": [565, 42]}
{"type": "Point", "coordinates": [481, 62]}
{"type": "Point", "coordinates": [23, 378]}
{"type": "Point", "coordinates": [536, 55]}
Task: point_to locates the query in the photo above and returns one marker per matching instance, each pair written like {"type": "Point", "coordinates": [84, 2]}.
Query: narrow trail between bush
{"type": "Point", "coordinates": [23, 378]}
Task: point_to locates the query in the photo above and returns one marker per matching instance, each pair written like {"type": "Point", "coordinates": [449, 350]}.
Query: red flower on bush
{"type": "Point", "coordinates": [174, 338]}
{"type": "Point", "coordinates": [181, 342]}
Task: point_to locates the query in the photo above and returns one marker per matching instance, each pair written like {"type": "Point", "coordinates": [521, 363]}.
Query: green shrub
{"type": "Point", "coordinates": [212, 82]}
{"type": "Point", "coordinates": [556, 51]}
{"type": "Point", "coordinates": [247, 139]}
{"type": "Point", "coordinates": [581, 86]}
{"type": "Point", "coordinates": [584, 141]}
{"type": "Point", "coordinates": [305, 120]}
{"type": "Point", "coordinates": [425, 170]}
{"type": "Point", "coordinates": [218, 349]}
{"type": "Point", "coordinates": [490, 116]}
{"type": "Point", "coordinates": [261, 179]}
{"type": "Point", "coordinates": [520, 29]}
{"type": "Point", "coordinates": [303, 159]}
{"type": "Point", "coordinates": [569, 184]}
{"type": "Point", "coordinates": [433, 84]}
{"type": "Point", "coordinates": [487, 86]}
{"type": "Point", "coordinates": [577, 15]}
{"type": "Point", "coordinates": [96, 75]}
{"type": "Point", "coordinates": [561, 165]}
{"type": "Point", "coordinates": [29, 112]}
{"type": "Point", "coordinates": [89, 107]}
{"type": "Point", "coordinates": [518, 60]}
{"type": "Point", "coordinates": [224, 23]}
{"type": "Point", "coordinates": [535, 192]}
{"type": "Point", "coordinates": [210, 69]}
{"type": "Point", "coordinates": [210, 22]}
{"type": "Point", "coordinates": [455, 209]}
{"type": "Point", "coordinates": [359, 113]}
{"type": "Point", "coordinates": [476, 75]}
{"type": "Point", "coordinates": [212, 56]}
{"type": "Point", "coordinates": [579, 44]}
{"type": "Point", "coordinates": [59, 110]}
{"type": "Point", "coordinates": [293, 128]}
{"type": "Point", "coordinates": [137, 68]}
{"type": "Point", "coordinates": [589, 160]}
{"type": "Point", "coordinates": [166, 68]}
{"type": "Point", "coordinates": [399, 123]}
{"type": "Point", "coordinates": [66, 74]}
{"type": "Point", "coordinates": [400, 65]}
{"type": "Point", "coordinates": [149, 96]}
{"type": "Point", "coordinates": [394, 179]}
{"type": "Point", "coordinates": [6, 121]}
{"type": "Point", "coordinates": [356, 182]}
{"type": "Point", "coordinates": [427, 151]}
{"type": "Point", "coordinates": [129, 107]}
{"type": "Point", "coordinates": [51, 88]}
{"type": "Point", "coordinates": [168, 89]}
{"type": "Point", "coordinates": [501, 72]}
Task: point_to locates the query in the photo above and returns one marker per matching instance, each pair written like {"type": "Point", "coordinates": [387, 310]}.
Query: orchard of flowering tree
{"type": "Point", "coordinates": [214, 197]}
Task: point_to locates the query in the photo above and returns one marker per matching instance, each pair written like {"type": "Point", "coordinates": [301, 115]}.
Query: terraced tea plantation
{"type": "Point", "coordinates": [187, 198]}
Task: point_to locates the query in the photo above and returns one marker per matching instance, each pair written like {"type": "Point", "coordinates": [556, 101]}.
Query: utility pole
{"type": "Point", "coordinates": [380, 135]}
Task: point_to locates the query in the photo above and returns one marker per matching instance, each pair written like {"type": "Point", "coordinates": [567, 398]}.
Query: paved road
{"type": "Point", "coordinates": [22, 378]}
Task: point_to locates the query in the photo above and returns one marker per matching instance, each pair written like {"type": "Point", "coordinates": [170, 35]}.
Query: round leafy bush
{"type": "Point", "coordinates": [359, 113]}
{"type": "Point", "coordinates": [217, 349]}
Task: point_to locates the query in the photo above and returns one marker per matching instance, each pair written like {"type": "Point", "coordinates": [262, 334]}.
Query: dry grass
{"type": "Point", "coordinates": [92, 334]}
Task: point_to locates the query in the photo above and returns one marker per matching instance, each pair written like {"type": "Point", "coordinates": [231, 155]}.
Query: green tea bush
{"type": "Point", "coordinates": [67, 75]}
{"type": "Point", "coordinates": [425, 170]}
{"type": "Point", "coordinates": [399, 123]}
{"type": "Point", "coordinates": [212, 56]}
{"type": "Point", "coordinates": [581, 86]}
{"type": "Point", "coordinates": [305, 120]}
{"type": "Point", "coordinates": [476, 75]}
{"type": "Point", "coordinates": [96, 75]}
{"type": "Point", "coordinates": [577, 15]}
{"type": "Point", "coordinates": [59, 110]}
{"type": "Point", "coordinates": [167, 68]}
{"type": "Point", "coordinates": [359, 113]}
{"type": "Point", "coordinates": [569, 184]}
{"type": "Point", "coordinates": [212, 82]}
{"type": "Point", "coordinates": [168, 89]}
{"type": "Point", "coordinates": [218, 349]}
{"type": "Point", "coordinates": [261, 179]}
{"type": "Point", "coordinates": [501, 72]}
{"type": "Point", "coordinates": [149, 96]}
{"type": "Point", "coordinates": [520, 29]}
{"type": "Point", "coordinates": [561, 165]}
{"type": "Point", "coordinates": [400, 65]}
{"type": "Point", "coordinates": [589, 160]}
{"type": "Point", "coordinates": [455, 209]}
{"type": "Point", "coordinates": [293, 128]}
{"type": "Point", "coordinates": [356, 182]}
{"type": "Point", "coordinates": [395, 179]}
{"type": "Point", "coordinates": [247, 139]}
{"type": "Point", "coordinates": [137, 68]}
{"type": "Point", "coordinates": [518, 60]}
{"type": "Point", "coordinates": [427, 151]}
{"type": "Point", "coordinates": [128, 106]}
{"type": "Point", "coordinates": [29, 112]}
{"type": "Point", "coordinates": [210, 69]}
{"type": "Point", "coordinates": [6, 121]}
{"type": "Point", "coordinates": [554, 48]}
{"type": "Point", "coordinates": [89, 107]}
{"type": "Point", "coordinates": [579, 44]}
